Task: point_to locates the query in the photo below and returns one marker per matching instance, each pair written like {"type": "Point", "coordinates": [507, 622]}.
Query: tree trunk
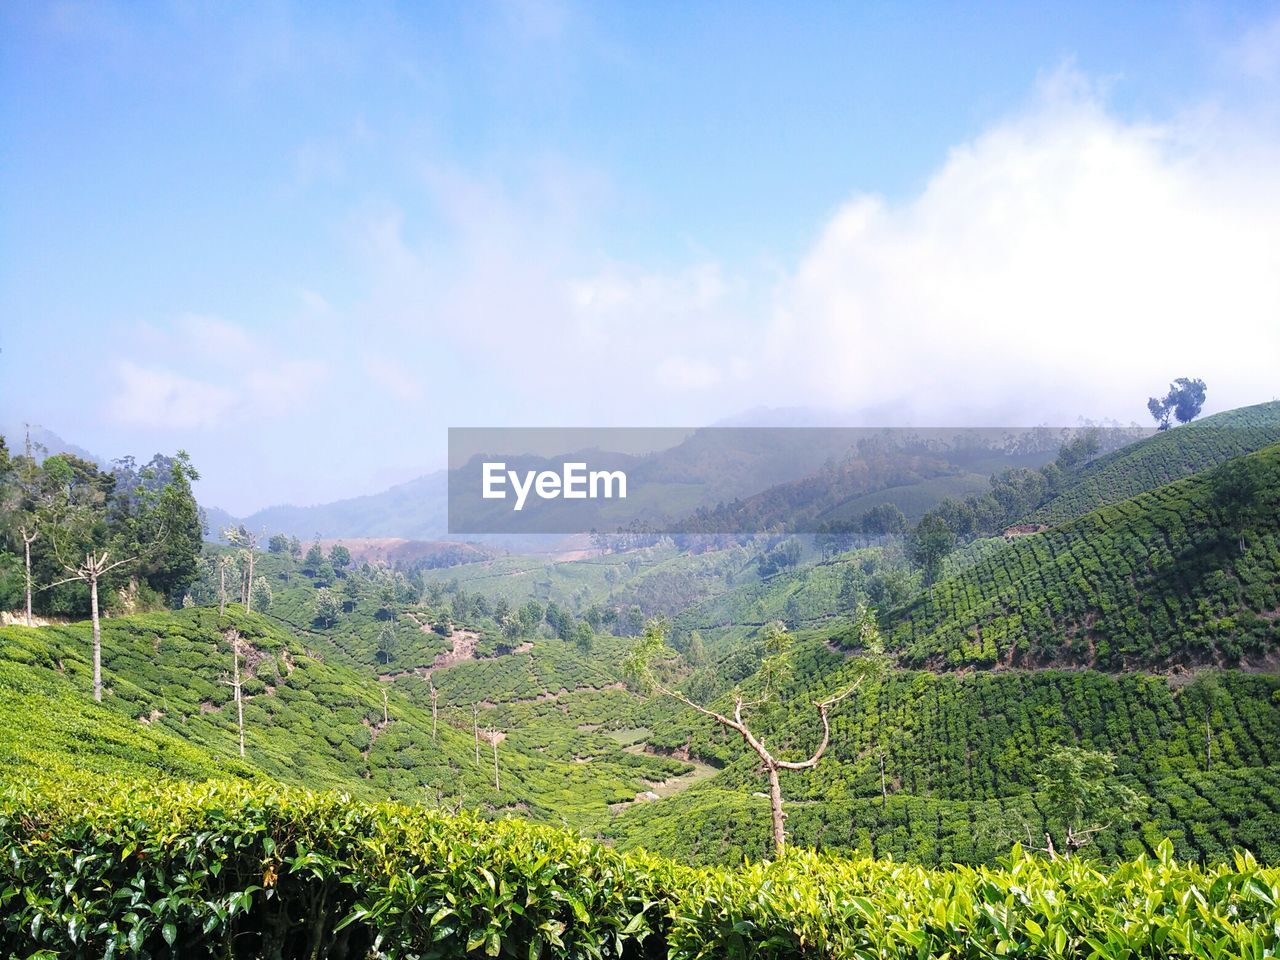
{"type": "Point", "coordinates": [222, 588]}
{"type": "Point", "coordinates": [493, 738]}
{"type": "Point", "coordinates": [235, 659]}
{"type": "Point", "coordinates": [884, 791]}
{"type": "Point", "coordinates": [27, 549]}
{"type": "Point", "coordinates": [1208, 742]}
{"type": "Point", "coordinates": [248, 589]}
{"type": "Point", "coordinates": [97, 639]}
{"type": "Point", "coordinates": [435, 696]}
{"type": "Point", "coordinates": [475, 727]}
{"type": "Point", "coordinates": [775, 801]}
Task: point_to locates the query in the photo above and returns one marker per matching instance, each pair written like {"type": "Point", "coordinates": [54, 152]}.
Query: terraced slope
{"type": "Point", "coordinates": [1163, 458]}
{"type": "Point", "coordinates": [961, 752]}
{"type": "Point", "coordinates": [1159, 579]}
{"type": "Point", "coordinates": [308, 721]}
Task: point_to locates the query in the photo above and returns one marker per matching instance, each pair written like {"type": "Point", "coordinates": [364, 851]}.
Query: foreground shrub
{"type": "Point", "coordinates": [196, 870]}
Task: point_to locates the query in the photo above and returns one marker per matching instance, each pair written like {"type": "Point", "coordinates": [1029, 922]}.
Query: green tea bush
{"type": "Point", "coordinates": [181, 870]}
{"type": "Point", "coordinates": [1163, 458]}
{"type": "Point", "coordinates": [1167, 577]}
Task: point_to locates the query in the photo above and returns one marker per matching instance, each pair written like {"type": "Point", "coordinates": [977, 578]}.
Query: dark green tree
{"type": "Point", "coordinates": [929, 545]}
{"type": "Point", "coordinates": [1082, 797]}
{"type": "Point", "coordinates": [312, 561]}
{"type": "Point", "coordinates": [884, 520]}
{"type": "Point", "coordinates": [325, 610]}
{"type": "Point", "coordinates": [340, 557]}
{"type": "Point", "coordinates": [1183, 402]}
{"type": "Point", "coordinates": [1237, 487]}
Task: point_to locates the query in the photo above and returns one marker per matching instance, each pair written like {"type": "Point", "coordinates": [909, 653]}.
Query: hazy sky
{"type": "Point", "coordinates": [302, 240]}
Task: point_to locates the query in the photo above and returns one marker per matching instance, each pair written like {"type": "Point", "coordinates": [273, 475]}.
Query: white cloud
{"type": "Point", "coordinates": [393, 377]}
{"type": "Point", "coordinates": [1062, 263]}
{"type": "Point", "coordinates": [204, 372]}
{"type": "Point", "coordinates": [153, 397]}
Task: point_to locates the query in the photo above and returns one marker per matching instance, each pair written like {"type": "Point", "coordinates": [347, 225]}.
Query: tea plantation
{"type": "Point", "coordinates": [1178, 575]}
{"type": "Point", "coordinates": [173, 870]}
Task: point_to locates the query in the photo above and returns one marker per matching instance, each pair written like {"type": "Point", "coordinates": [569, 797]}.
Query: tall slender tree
{"type": "Point", "coordinates": [435, 701]}
{"type": "Point", "coordinates": [247, 541]}
{"type": "Point", "coordinates": [24, 496]}
{"type": "Point", "coordinates": [493, 740]}
{"type": "Point", "coordinates": [233, 637]}
{"type": "Point", "coordinates": [81, 541]}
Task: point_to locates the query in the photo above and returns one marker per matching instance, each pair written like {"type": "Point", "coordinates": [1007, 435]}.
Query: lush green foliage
{"type": "Point", "coordinates": [1159, 578]}
{"type": "Point", "coordinates": [232, 871]}
{"type": "Point", "coordinates": [962, 753]}
{"type": "Point", "coordinates": [308, 721]}
{"type": "Point", "coordinates": [412, 686]}
{"type": "Point", "coordinates": [59, 508]}
{"type": "Point", "coordinates": [1170, 455]}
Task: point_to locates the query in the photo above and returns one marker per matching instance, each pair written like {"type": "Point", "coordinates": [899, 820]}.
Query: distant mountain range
{"type": "Point", "coordinates": [415, 510]}
{"type": "Point", "coordinates": [44, 443]}
{"type": "Point", "coordinates": [699, 474]}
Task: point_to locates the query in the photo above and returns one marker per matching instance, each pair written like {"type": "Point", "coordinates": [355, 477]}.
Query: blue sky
{"type": "Point", "coordinates": [302, 240]}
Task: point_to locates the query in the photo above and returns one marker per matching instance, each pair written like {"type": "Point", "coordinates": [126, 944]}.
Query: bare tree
{"type": "Point", "coordinates": [28, 500]}
{"type": "Point", "coordinates": [97, 563]}
{"type": "Point", "coordinates": [28, 531]}
{"type": "Point", "coordinates": [224, 562]}
{"type": "Point", "coordinates": [884, 788]}
{"type": "Point", "coordinates": [386, 718]}
{"type": "Point", "coordinates": [435, 699]}
{"type": "Point", "coordinates": [493, 740]}
{"type": "Point", "coordinates": [775, 666]}
{"type": "Point", "coordinates": [234, 637]}
{"type": "Point", "coordinates": [475, 728]}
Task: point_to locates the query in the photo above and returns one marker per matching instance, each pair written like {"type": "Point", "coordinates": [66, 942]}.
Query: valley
{"type": "Point", "coordinates": [1137, 633]}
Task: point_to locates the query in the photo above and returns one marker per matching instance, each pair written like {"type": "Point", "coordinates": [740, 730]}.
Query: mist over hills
{"type": "Point", "coordinates": [416, 510]}
{"type": "Point", "coordinates": [762, 453]}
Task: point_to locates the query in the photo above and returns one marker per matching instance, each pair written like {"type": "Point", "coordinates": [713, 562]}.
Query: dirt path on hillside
{"type": "Point", "coordinates": [661, 789]}
{"type": "Point", "coordinates": [462, 648]}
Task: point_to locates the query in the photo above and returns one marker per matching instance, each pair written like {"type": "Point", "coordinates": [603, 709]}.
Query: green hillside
{"type": "Point", "coordinates": [657, 580]}
{"type": "Point", "coordinates": [1157, 579]}
{"type": "Point", "coordinates": [1163, 458]}
{"type": "Point", "coordinates": [1144, 632]}
{"type": "Point", "coordinates": [308, 721]}
{"type": "Point", "coordinates": [960, 757]}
